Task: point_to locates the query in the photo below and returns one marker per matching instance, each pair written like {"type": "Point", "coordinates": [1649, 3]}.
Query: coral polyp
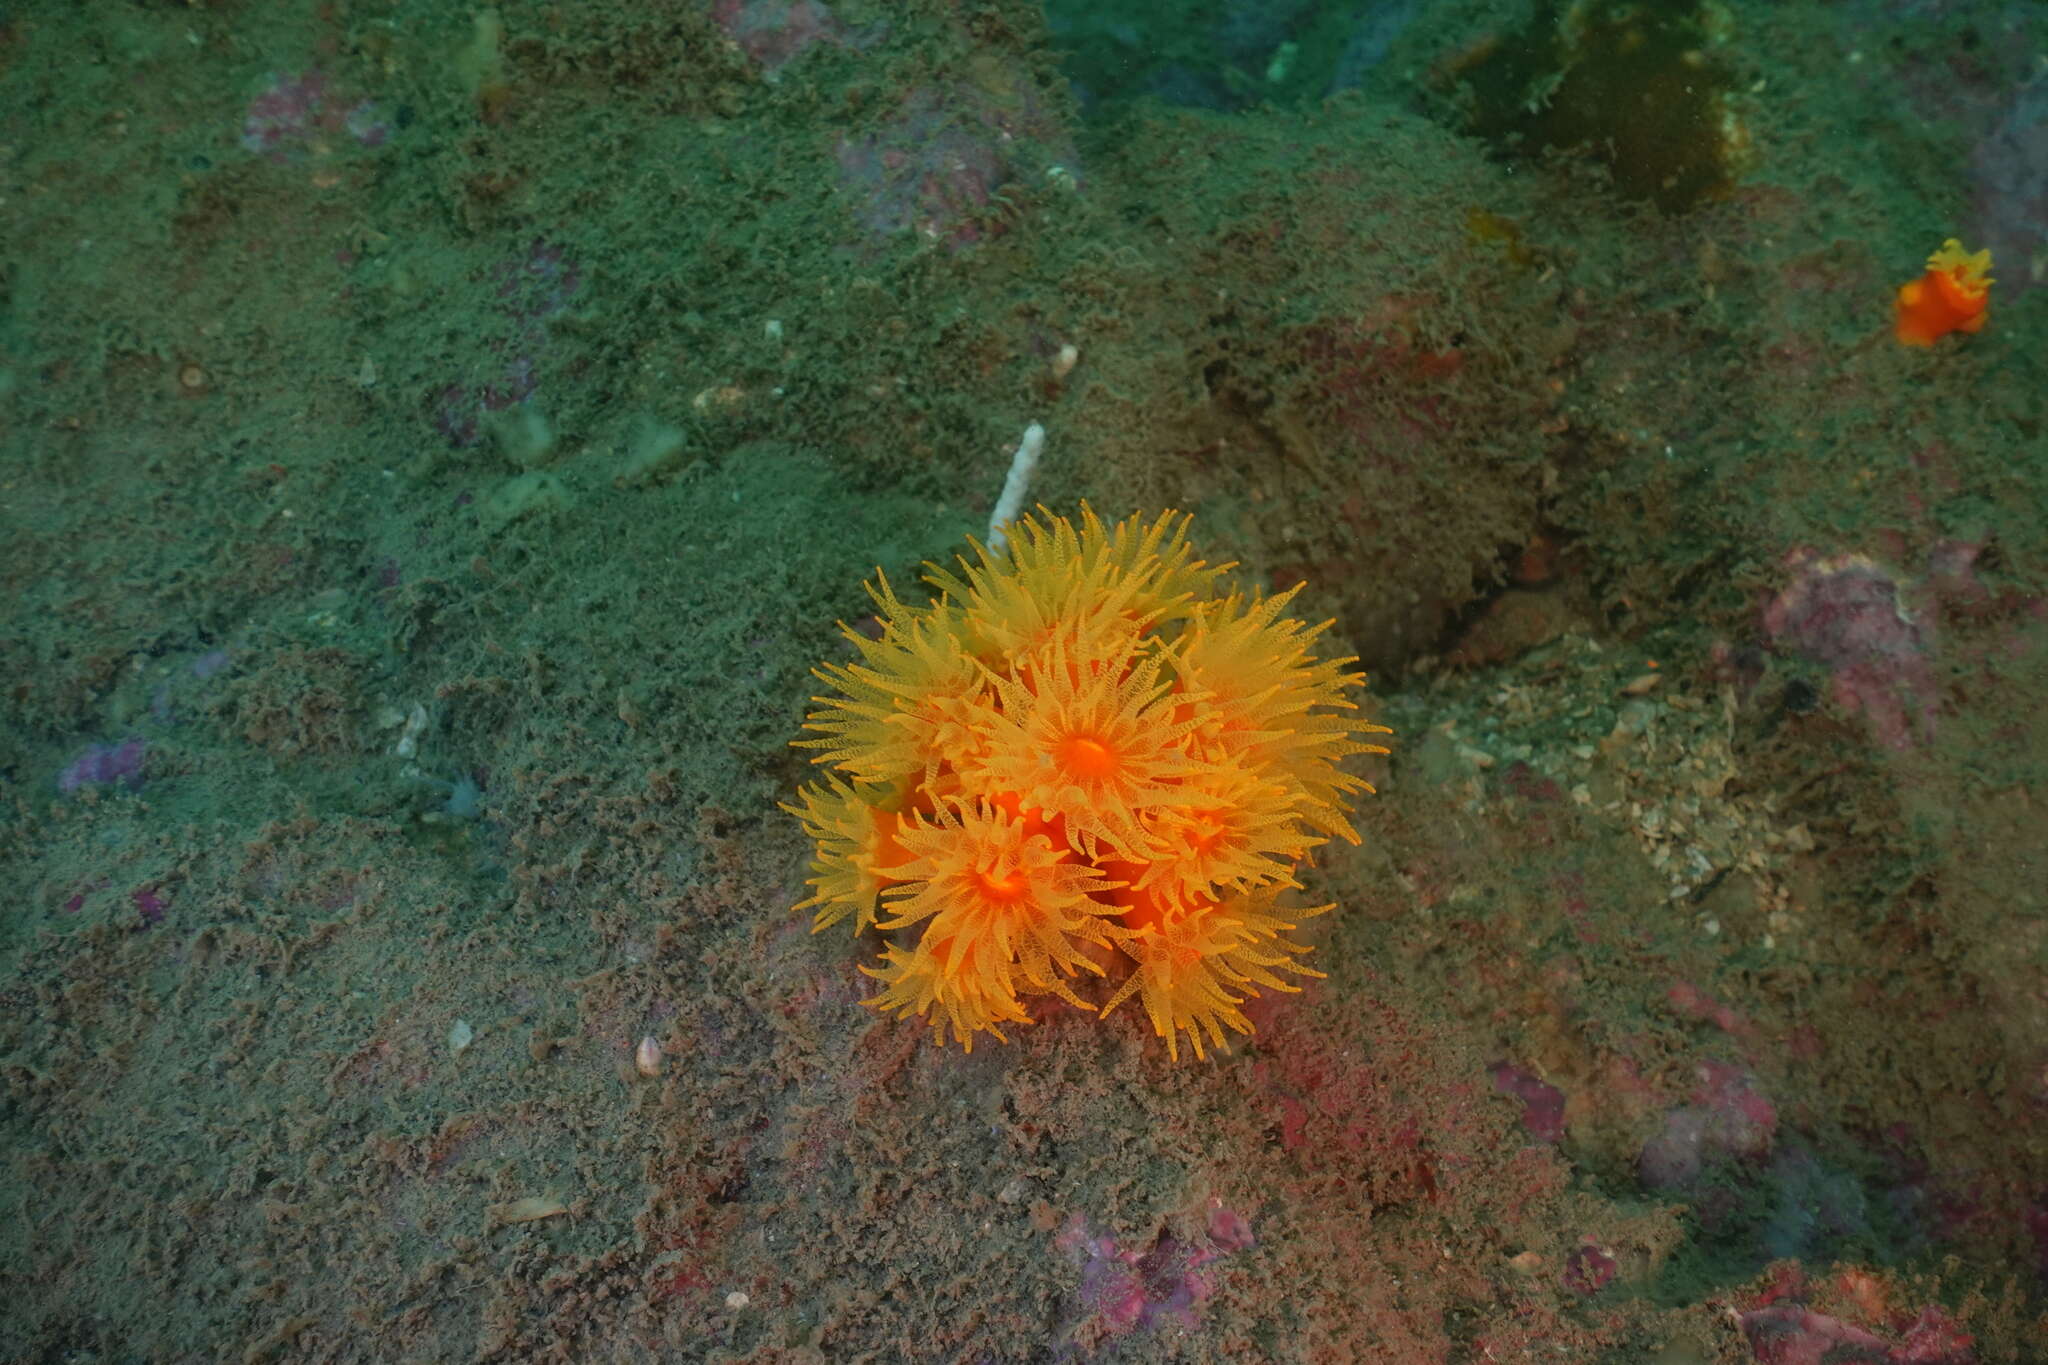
{"type": "Point", "coordinates": [1082, 759]}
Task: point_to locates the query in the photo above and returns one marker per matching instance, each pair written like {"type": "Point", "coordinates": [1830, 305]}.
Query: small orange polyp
{"type": "Point", "coordinates": [1953, 296]}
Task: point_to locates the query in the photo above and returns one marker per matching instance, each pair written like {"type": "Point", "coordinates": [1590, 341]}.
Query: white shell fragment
{"type": "Point", "coordinates": [647, 1057]}
{"type": "Point", "coordinates": [531, 1209]}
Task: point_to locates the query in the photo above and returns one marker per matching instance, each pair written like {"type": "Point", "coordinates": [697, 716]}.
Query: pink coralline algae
{"type": "Point", "coordinates": [103, 765]}
{"type": "Point", "coordinates": [1128, 1289]}
{"type": "Point", "coordinates": [1728, 1119]}
{"type": "Point", "coordinates": [2009, 182]}
{"type": "Point", "coordinates": [150, 904]}
{"type": "Point", "coordinates": [1847, 613]}
{"type": "Point", "coordinates": [1588, 1268]}
{"type": "Point", "coordinates": [774, 31]}
{"type": "Point", "coordinates": [1789, 1332]}
{"type": "Point", "coordinates": [1691, 1002]}
{"type": "Point", "coordinates": [1542, 1103]}
{"type": "Point", "coordinates": [295, 114]}
{"type": "Point", "coordinates": [940, 167]}
{"type": "Point", "coordinates": [531, 288]}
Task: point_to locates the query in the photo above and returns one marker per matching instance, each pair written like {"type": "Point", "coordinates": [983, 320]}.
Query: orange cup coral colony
{"type": "Point", "coordinates": [1951, 297]}
{"type": "Point", "coordinates": [1085, 758]}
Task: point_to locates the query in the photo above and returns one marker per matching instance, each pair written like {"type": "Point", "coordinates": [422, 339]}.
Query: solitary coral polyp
{"type": "Point", "coordinates": [1080, 760]}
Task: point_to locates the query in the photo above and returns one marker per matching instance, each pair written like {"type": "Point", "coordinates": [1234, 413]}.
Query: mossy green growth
{"type": "Point", "coordinates": [1637, 85]}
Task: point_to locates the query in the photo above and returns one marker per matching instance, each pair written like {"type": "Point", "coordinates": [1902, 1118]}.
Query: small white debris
{"type": "Point", "coordinates": [460, 1037]}
{"type": "Point", "coordinates": [719, 397]}
{"type": "Point", "coordinates": [1015, 486]}
{"type": "Point", "coordinates": [523, 435]}
{"type": "Point", "coordinates": [737, 1300]}
{"type": "Point", "coordinates": [657, 449]}
{"type": "Point", "coordinates": [409, 739]}
{"type": "Point", "coordinates": [1063, 364]}
{"type": "Point", "coordinates": [1282, 62]}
